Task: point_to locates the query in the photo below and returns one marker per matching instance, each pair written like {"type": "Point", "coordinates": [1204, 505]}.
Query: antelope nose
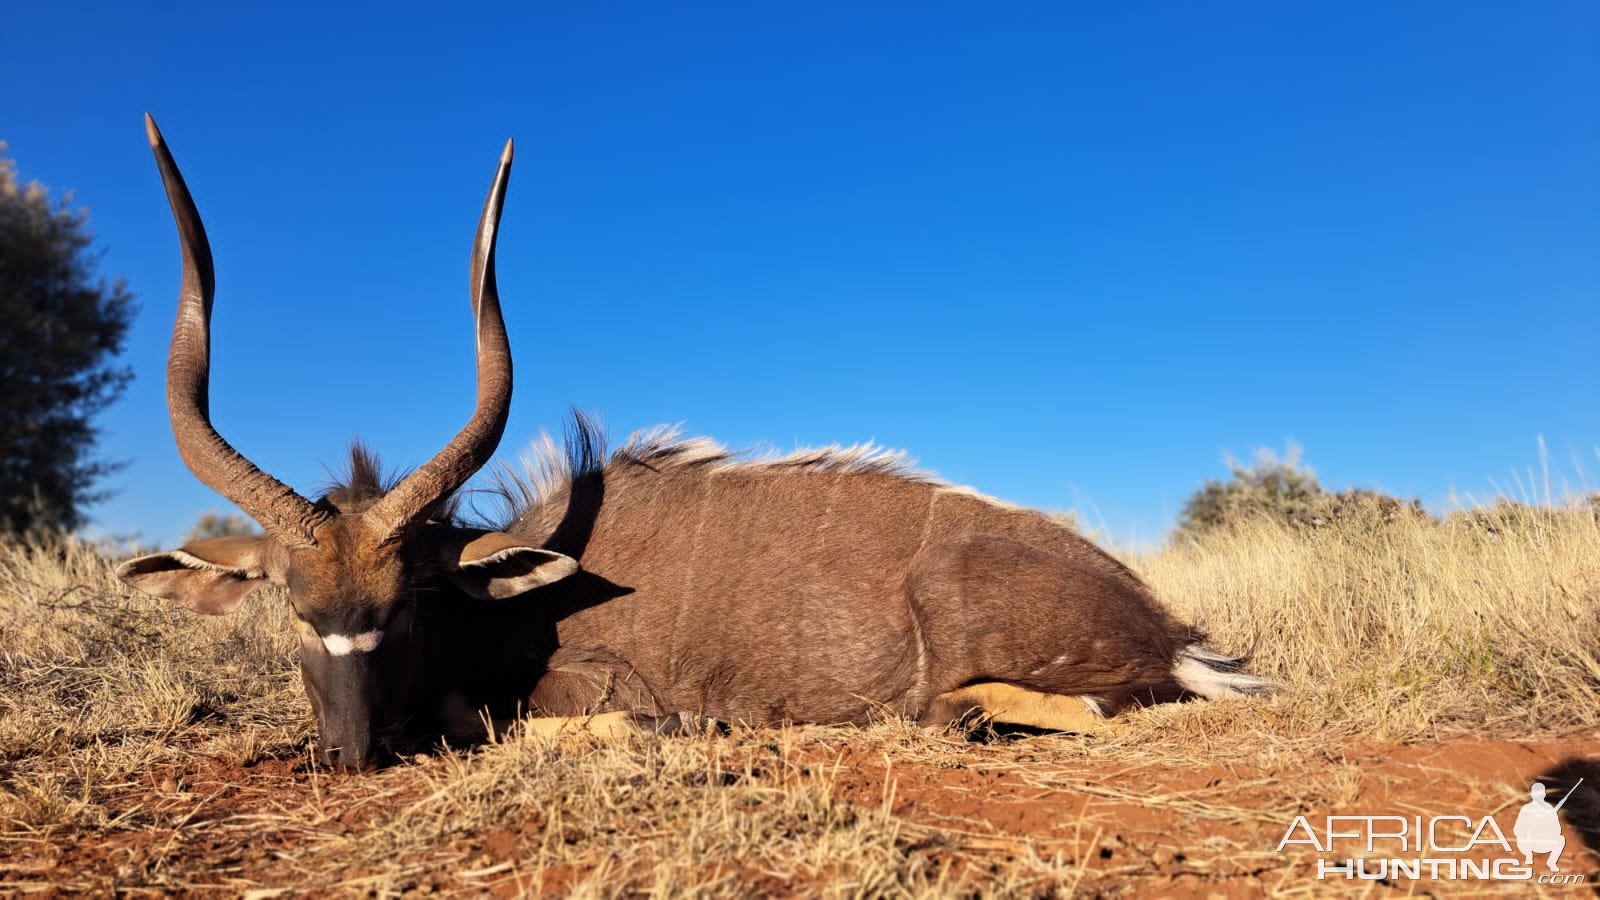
{"type": "Point", "coordinates": [349, 757]}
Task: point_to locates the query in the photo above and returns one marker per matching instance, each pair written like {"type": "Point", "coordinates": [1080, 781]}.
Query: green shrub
{"type": "Point", "coordinates": [1286, 491]}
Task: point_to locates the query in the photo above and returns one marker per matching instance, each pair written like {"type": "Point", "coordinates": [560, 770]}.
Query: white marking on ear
{"type": "Point", "coordinates": [499, 556]}
{"type": "Point", "coordinates": [341, 645]}
{"type": "Point", "coordinates": [190, 561]}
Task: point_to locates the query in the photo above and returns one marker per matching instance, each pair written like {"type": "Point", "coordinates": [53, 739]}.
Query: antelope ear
{"type": "Point", "coordinates": [209, 576]}
{"type": "Point", "coordinates": [497, 566]}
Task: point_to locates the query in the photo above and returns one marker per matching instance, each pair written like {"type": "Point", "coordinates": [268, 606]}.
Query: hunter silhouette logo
{"type": "Point", "coordinates": [1447, 847]}
{"type": "Point", "coordinates": [1538, 828]}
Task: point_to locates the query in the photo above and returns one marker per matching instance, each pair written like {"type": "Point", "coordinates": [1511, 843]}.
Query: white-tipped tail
{"type": "Point", "coordinates": [1212, 675]}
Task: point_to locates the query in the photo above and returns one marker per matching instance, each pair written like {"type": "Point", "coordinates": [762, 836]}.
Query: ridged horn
{"type": "Point", "coordinates": [472, 447]}
{"type": "Point", "coordinates": [283, 513]}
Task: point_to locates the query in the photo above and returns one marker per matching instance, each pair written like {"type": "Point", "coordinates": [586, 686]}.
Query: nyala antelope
{"type": "Point", "coordinates": [827, 586]}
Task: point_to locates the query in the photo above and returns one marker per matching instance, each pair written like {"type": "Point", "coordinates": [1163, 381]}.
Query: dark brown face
{"type": "Point", "coordinates": [353, 598]}
{"type": "Point", "coordinates": [358, 683]}
{"type": "Point", "coordinates": [353, 609]}
{"type": "Point", "coordinates": [354, 602]}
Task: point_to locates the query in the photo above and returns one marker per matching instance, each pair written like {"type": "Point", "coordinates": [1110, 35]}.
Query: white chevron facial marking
{"type": "Point", "coordinates": [342, 645]}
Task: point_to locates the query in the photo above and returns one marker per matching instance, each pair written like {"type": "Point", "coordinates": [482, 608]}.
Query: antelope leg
{"type": "Point", "coordinates": [1012, 705]}
{"type": "Point", "coordinates": [607, 725]}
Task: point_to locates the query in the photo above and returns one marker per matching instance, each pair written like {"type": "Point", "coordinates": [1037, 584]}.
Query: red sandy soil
{"type": "Point", "coordinates": [1116, 827]}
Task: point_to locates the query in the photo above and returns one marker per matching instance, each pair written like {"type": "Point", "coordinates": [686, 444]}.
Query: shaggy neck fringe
{"type": "Point", "coordinates": [549, 471]}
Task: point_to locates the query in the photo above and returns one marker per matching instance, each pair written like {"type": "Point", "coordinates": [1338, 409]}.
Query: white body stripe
{"type": "Point", "coordinates": [342, 645]}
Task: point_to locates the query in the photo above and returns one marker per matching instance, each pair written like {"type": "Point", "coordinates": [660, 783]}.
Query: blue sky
{"type": "Point", "coordinates": [1069, 254]}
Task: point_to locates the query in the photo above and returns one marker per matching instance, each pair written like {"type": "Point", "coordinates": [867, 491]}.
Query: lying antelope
{"type": "Point", "coordinates": [826, 586]}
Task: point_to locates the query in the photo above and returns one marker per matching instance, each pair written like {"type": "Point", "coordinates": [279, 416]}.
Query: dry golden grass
{"type": "Point", "coordinates": [1400, 629]}
{"type": "Point", "coordinates": [146, 749]}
